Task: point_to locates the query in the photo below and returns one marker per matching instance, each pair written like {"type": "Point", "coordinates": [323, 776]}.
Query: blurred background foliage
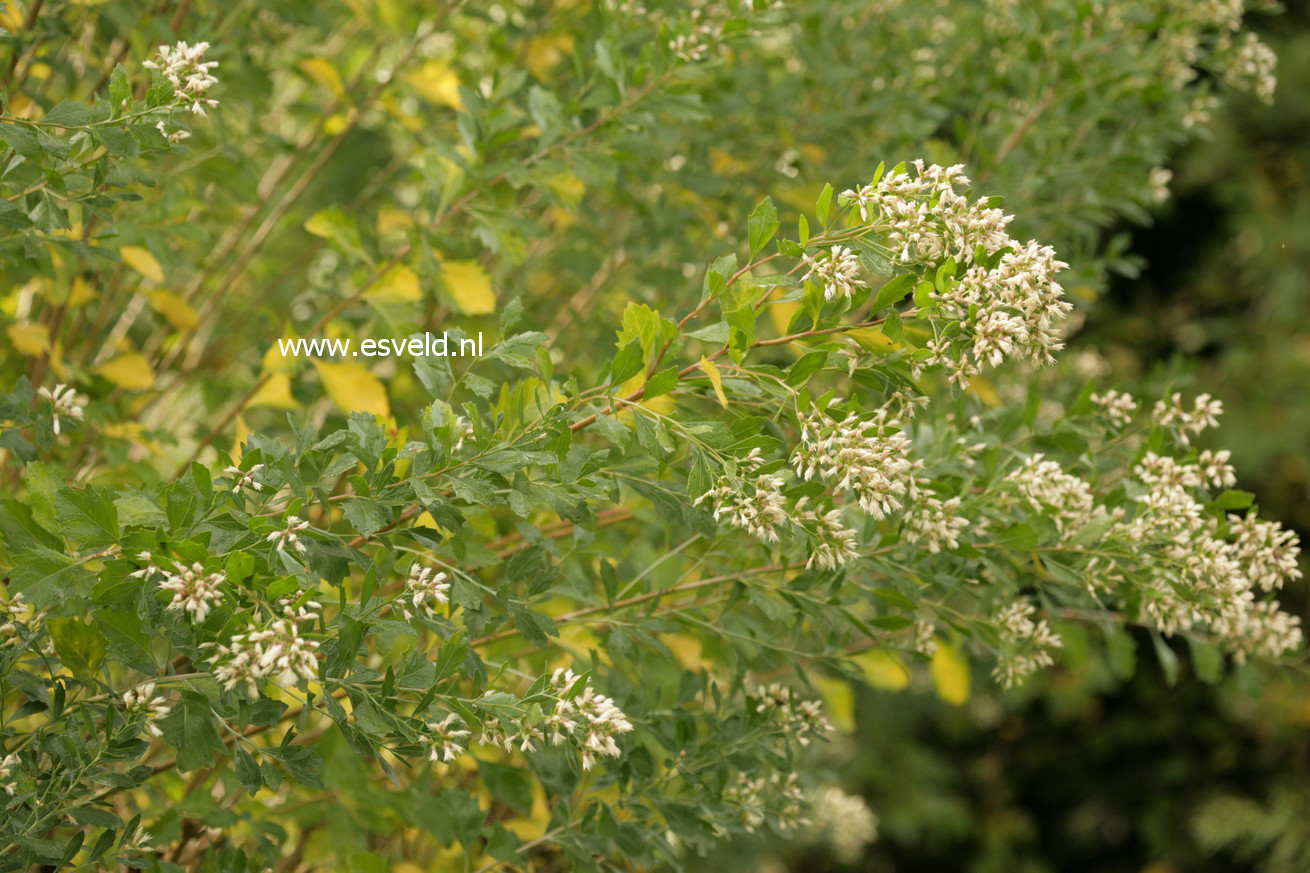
{"type": "Point", "coordinates": [356, 139]}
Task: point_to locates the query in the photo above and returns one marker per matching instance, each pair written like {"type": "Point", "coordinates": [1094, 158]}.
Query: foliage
{"type": "Point", "coordinates": [571, 601]}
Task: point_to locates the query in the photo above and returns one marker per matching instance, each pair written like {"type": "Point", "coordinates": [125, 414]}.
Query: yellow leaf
{"type": "Point", "coordinates": [80, 293]}
{"type": "Point", "coordinates": [567, 187]}
{"type": "Point", "coordinates": [353, 388]}
{"type": "Point", "coordinates": [882, 669]}
{"type": "Point", "coordinates": [437, 83]}
{"type": "Point", "coordinates": [391, 219]}
{"type": "Point", "coordinates": [30, 339]}
{"type": "Point", "coordinates": [781, 314]}
{"type": "Point", "coordinates": [724, 164]}
{"type": "Point", "coordinates": [174, 309]}
{"type": "Point", "coordinates": [275, 393]}
{"type": "Point", "coordinates": [276, 362]}
{"type": "Point", "coordinates": [840, 702]}
{"type": "Point", "coordinates": [687, 649]}
{"type": "Point", "coordinates": [130, 371]}
{"type": "Point", "coordinates": [322, 72]}
{"type": "Point", "coordinates": [397, 285]}
{"type": "Point", "coordinates": [239, 439]}
{"type": "Point", "coordinates": [542, 53]}
{"type": "Point", "coordinates": [715, 379]}
{"type": "Point", "coordinates": [984, 391]}
{"type": "Point", "coordinates": [470, 285]}
{"type": "Point", "coordinates": [950, 674]}
{"type": "Point", "coordinates": [143, 262]}
{"type": "Point", "coordinates": [873, 340]}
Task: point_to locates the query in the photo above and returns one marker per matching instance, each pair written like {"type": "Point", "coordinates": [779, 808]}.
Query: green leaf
{"type": "Point", "coordinates": [80, 646]}
{"type": "Point", "coordinates": [191, 730]}
{"type": "Point", "coordinates": [661, 383]}
{"type": "Point", "coordinates": [892, 292]}
{"type": "Point", "coordinates": [535, 626]}
{"type": "Point", "coordinates": [1232, 499]}
{"type": "Point", "coordinates": [510, 785]}
{"type": "Point", "coordinates": [120, 90]}
{"type": "Point", "coordinates": [68, 114]}
{"type": "Point", "coordinates": [824, 205]}
{"type": "Point", "coordinates": [248, 772]}
{"type": "Point", "coordinates": [762, 225]}
{"type": "Point", "coordinates": [627, 363]}
{"type": "Point", "coordinates": [88, 516]}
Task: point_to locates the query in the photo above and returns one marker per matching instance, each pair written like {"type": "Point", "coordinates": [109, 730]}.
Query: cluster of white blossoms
{"type": "Point", "coordinates": [244, 478]}
{"type": "Point", "coordinates": [1048, 488]}
{"type": "Point", "coordinates": [8, 765]}
{"type": "Point", "coordinates": [590, 720]}
{"type": "Point", "coordinates": [424, 588]}
{"type": "Point", "coordinates": [186, 69]}
{"type": "Point", "coordinates": [844, 821]}
{"type": "Point", "coordinates": [1119, 407]}
{"type": "Point", "coordinates": [1202, 577]}
{"type": "Point", "coordinates": [753, 503]}
{"type": "Point", "coordinates": [446, 739]}
{"type": "Point", "coordinates": [1251, 64]}
{"type": "Point", "coordinates": [1026, 645]}
{"type": "Point", "coordinates": [194, 590]}
{"type": "Point", "coordinates": [1211, 468]}
{"type": "Point", "coordinates": [143, 700]}
{"type": "Point", "coordinates": [290, 535]}
{"type": "Point", "coordinates": [800, 720]}
{"type": "Point", "coordinates": [65, 402]}
{"type": "Point", "coordinates": [1184, 423]}
{"type": "Point", "coordinates": [11, 620]}
{"type": "Point", "coordinates": [1012, 306]}
{"type": "Point", "coordinates": [869, 458]}
{"type": "Point", "coordinates": [277, 652]}
{"type": "Point", "coordinates": [933, 523]}
{"type": "Point", "coordinates": [755, 798]}
{"type": "Point", "coordinates": [836, 272]}
{"type": "Point", "coordinates": [832, 544]}
{"type": "Point", "coordinates": [928, 219]}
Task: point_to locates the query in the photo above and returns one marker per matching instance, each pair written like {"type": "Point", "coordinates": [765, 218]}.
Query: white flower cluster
{"type": "Point", "coordinates": [447, 739]}
{"type": "Point", "coordinates": [7, 767]}
{"type": "Point", "coordinates": [290, 535]}
{"type": "Point", "coordinates": [1174, 416]}
{"type": "Point", "coordinates": [185, 67]}
{"type": "Point", "coordinates": [832, 544]}
{"type": "Point", "coordinates": [1202, 576]}
{"type": "Point", "coordinates": [1250, 64]}
{"type": "Point", "coordinates": [800, 720]}
{"type": "Point", "coordinates": [1026, 645]}
{"type": "Point", "coordinates": [844, 821]}
{"type": "Point", "coordinates": [11, 621]}
{"type": "Point", "coordinates": [1119, 407]}
{"type": "Point", "coordinates": [753, 503]}
{"type": "Point", "coordinates": [65, 402]}
{"type": "Point", "coordinates": [276, 652]}
{"type": "Point", "coordinates": [244, 478]}
{"type": "Point", "coordinates": [194, 590]}
{"type": "Point", "coordinates": [143, 700]}
{"type": "Point", "coordinates": [1211, 468]}
{"type": "Point", "coordinates": [868, 458]}
{"type": "Point", "coordinates": [462, 430]}
{"type": "Point", "coordinates": [1046, 486]}
{"type": "Point", "coordinates": [934, 523]}
{"type": "Point", "coordinates": [1012, 308]}
{"type": "Point", "coordinates": [836, 272]}
{"type": "Point", "coordinates": [424, 588]}
{"type": "Point", "coordinates": [756, 797]}
{"type": "Point", "coordinates": [591, 720]}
